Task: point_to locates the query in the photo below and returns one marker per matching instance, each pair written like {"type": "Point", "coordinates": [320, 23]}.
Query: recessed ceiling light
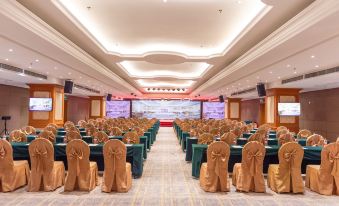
{"type": "Point", "coordinates": [55, 68]}
{"type": "Point", "coordinates": [247, 80]}
{"type": "Point", "coordinates": [288, 65]}
{"type": "Point", "coordinates": [271, 72]}
{"type": "Point", "coordinates": [164, 1]}
{"type": "Point", "coordinates": [37, 60]}
{"type": "Point", "coordinates": [69, 73]}
{"type": "Point", "coordinates": [312, 56]}
{"type": "Point", "coordinates": [30, 66]}
{"type": "Point", "coordinates": [295, 72]}
{"type": "Point", "coordinates": [22, 74]}
{"type": "Point", "coordinates": [10, 50]}
{"type": "Point", "coordinates": [266, 81]}
{"type": "Point", "coordinates": [6, 59]}
{"type": "Point", "coordinates": [239, 2]}
{"type": "Point", "coordinates": [316, 66]}
{"type": "Point", "coordinates": [47, 72]}
{"type": "Point", "coordinates": [40, 79]}
{"type": "Point", "coordinates": [80, 77]}
{"type": "Point", "coordinates": [279, 77]}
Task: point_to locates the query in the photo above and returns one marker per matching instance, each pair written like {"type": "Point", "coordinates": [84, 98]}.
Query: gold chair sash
{"type": "Point", "coordinates": [218, 159]}
{"type": "Point", "coordinates": [40, 156]}
{"type": "Point", "coordinates": [334, 159]}
{"type": "Point", "coordinates": [2, 152]}
{"type": "Point", "coordinates": [255, 160]}
{"type": "Point", "coordinates": [77, 156]}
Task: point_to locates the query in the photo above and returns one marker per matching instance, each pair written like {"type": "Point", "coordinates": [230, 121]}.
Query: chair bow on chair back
{"type": "Point", "coordinates": [51, 129]}
{"type": "Point", "coordinates": [229, 138]}
{"type": "Point", "coordinates": [28, 130]}
{"type": "Point", "coordinates": [47, 135]}
{"type": "Point", "coordinates": [79, 176]}
{"type": "Point", "coordinates": [304, 133]}
{"type": "Point", "coordinates": [131, 138]}
{"type": "Point", "coordinates": [214, 174]}
{"type": "Point", "coordinates": [248, 176]}
{"type": "Point", "coordinates": [284, 138]}
{"type": "Point", "coordinates": [72, 135]}
{"type": "Point", "coordinates": [117, 174]}
{"type": "Point", "coordinates": [257, 137]}
{"type": "Point", "coordinates": [13, 174]}
{"type": "Point", "coordinates": [17, 136]}
{"type": "Point", "coordinates": [315, 140]}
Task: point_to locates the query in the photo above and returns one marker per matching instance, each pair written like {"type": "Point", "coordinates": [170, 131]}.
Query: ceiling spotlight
{"type": "Point", "coordinates": [37, 60]}
{"type": "Point", "coordinates": [271, 72]}
{"type": "Point", "coordinates": [316, 66]}
{"type": "Point", "coordinates": [257, 77]}
{"type": "Point", "coordinates": [183, 89]}
{"type": "Point", "coordinates": [69, 73]}
{"type": "Point", "coordinates": [148, 89]}
{"type": "Point", "coordinates": [158, 89]}
{"type": "Point", "coordinates": [6, 59]}
{"type": "Point", "coordinates": [279, 77]}
{"type": "Point", "coordinates": [165, 1]}
{"type": "Point", "coordinates": [153, 89]}
{"type": "Point", "coordinates": [288, 65]}
{"type": "Point", "coordinates": [10, 50]}
{"type": "Point", "coordinates": [312, 56]}
{"type": "Point", "coordinates": [295, 70]}
{"type": "Point", "coordinates": [55, 68]}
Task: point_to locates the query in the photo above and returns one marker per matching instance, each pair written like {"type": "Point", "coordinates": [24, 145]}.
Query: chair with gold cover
{"type": "Point", "coordinates": [215, 132]}
{"type": "Point", "coordinates": [284, 138]}
{"type": "Point", "coordinates": [286, 176]}
{"type": "Point", "coordinates": [205, 138]}
{"type": "Point", "coordinates": [237, 131]}
{"type": "Point", "coordinates": [47, 135]}
{"type": "Point", "coordinates": [68, 124]}
{"type": "Point", "coordinates": [100, 137]}
{"type": "Point", "coordinates": [72, 128]}
{"type": "Point", "coordinates": [117, 174]}
{"type": "Point", "coordinates": [139, 131]}
{"type": "Point", "coordinates": [248, 175]}
{"type": "Point", "coordinates": [229, 138]}
{"type": "Point", "coordinates": [281, 128]}
{"type": "Point", "coordinates": [82, 123]}
{"type": "Point", "coordinates": [71, 136]}
{"type": "Point", "coordinates": [17, 136]}
{"type": "Point", "coordinates": [224, 129]}
{"type": "Point", "coordinates": [214, 174]}
{"type": "Point", "coordinates": [51, 129]}
{"type": "Point", "coordinates": [115, 131]}
{"type": "Point", "coordinates": [13, 174]}
{"type": "Point", "coordinates": [205, 128]}
{"type": "Point", "coordinates": [124, 128]}
{"type": "Point", "coordinates": [315, 140]}
{"type": "Point", "coordinates": [131, 138]}
{"type": "Point", "coordinates": [29, 130]}
{"type": "Point", "coordinates": [281, 132]}
{"type": "Point", "coordinates": [90, 129]}
{"type": "Point", "coordinates": [46, 174]}
{"type": "Point", "coordinates": [257, 137]}
{"type": "Point", "coordinates": [324, 178]}
{"type": "Point", "coordinates": [53, 125]}
{"type": "Point", "coordinates": [303, 134]}
{"type": "Point", "coordinates": [82, 174]}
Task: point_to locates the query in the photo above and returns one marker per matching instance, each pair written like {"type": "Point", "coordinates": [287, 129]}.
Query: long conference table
{"type": "Point", "coordinates": [197, 153]}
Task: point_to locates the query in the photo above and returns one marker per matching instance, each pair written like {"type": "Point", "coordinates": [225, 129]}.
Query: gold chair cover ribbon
{"type": "Point", "coordinates": [40, 156]}
{"type": "Point", "coordinates": [255, 160]}
{"type": "Point", "coordinates": [218, 159]}
{"type": "Point", "coordinates": [2, 152]}
{"type": "Point", "coordinates": [334, 159]}
{"type": "Point", "coordinates": [77, 156]}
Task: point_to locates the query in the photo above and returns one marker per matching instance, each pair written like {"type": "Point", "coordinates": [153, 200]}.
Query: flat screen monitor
{"type": "Point", "coordinates": [289, 109]}
{"type": "Point", "coordinates": [40, 104]}
{"type": "Point", "coordinates": [118, 109]}
{"type": "Point", "coordinates": [213, 110]}
{"type": "Point", "coordinates": [166, 109]}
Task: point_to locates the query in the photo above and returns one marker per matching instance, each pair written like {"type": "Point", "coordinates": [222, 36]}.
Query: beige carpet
{"type": "Point", "coordinates": [166, 180]}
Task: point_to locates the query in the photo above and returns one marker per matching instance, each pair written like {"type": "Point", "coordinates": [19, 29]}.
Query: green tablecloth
{"type": "Point", "coordinates": [312, 155]}
{"type": "Point", "coordinates": [247, 135]}
{"type": "Point", "coordinates": [134, 155]}
{"type": "Point", "coordinates": [185, 135]}
{"type": "Point", "coordinates": [89, 140]}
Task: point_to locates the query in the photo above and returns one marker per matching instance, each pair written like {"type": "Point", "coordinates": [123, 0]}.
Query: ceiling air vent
{"type": "Point", "coordinates": [322, 72]}
{"type": "Point", "coordinates": [10, 68]}
{"type": "Point", "coordinates": [293, 79]}
{"type": "Point", "coordinates": [244, 91]}
{"type": "Point", "coordinates": [33, 74]}
{"type": "Point", "coordinates": [86, 88]}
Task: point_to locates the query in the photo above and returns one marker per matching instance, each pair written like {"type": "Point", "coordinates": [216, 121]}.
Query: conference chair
{"type": "Point", "coordinates": [214, 174]}
{"type": "Point", "coordinates": [284, 138]}
{"type": "Point", "coordinates": [51, 129]}
{"type": "Point", "coordinates": [47, 135]}
{"type": "Point", "coordinates": [17, 136]}
{"type": "Point", "coordinates": [248, 175]}
{"type": "Point", "coordinates": [281, 128]}
{"type": "Point", "coordinates": [237, 131]}
{"type": "Point", "coordinates": [68, 124]}
{"type": "Point", "coordinates": [286, 176]}
{"type": "Point", "coordinates": [281, 132]}
{"type": "Point", "coordinates": [257, 137]}
{"type": "Point", "coordinates": [139, 131]}
{"type": "Point", "coordinates": [100, 137]}
{"type": "Point", "coordinates": [315, 140]}
{"type": "Point", "coordinates": [82, 174]}
{"type": "Point", "coordinates": [82, 123]}
{"type": "Point", "coordinates": [124, 128]}
{"type": "Point", "coordinates": [46, 174]}
{"type": "Point", "coordinates": [90, 129]}
{"type": "Point", "coordinates": [71, 135]}
{"type": "Point", "coordinates": [229, 138]}
{"type": "Point", "coordinates": [29, 130]}
{"type": "Point", "coordinates": [72, 128]}
{"type": "Point", "coordinates": [215, 132]}
{"type": "Point", "coordinates": [13, 174]}
{"type": "Point", "coordinates": [115, 131]}
{"type": "Point", "coordinates": [131, 138]}
{"type": "Point", "coordinates": [205, 128]}
{"type": "Point", "coordinates": [53, 125]}
{"type": "Point", "coordinates": [224, 129]}
{"type": "Point", "coordinates": [117, 173]}
{"type": "Point", "coordinates": [303, 134]}
{"type": "Point", "coordinates": [205, 138]}
{"type": "Point", "coordinates": [324, 178]}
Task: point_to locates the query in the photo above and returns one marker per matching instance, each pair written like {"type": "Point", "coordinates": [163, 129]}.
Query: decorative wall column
{"type": "Point", "coordinates": [97, 107]}
{"type": "Point", "coordinates": [40, 119]}
{"type": "Point", "coordinates": [234, 108]}
{"type": "Point", "coordinates": [281, 95]}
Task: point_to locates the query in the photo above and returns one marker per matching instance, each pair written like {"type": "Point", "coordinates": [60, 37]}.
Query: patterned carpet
{"type": "Point", "coordinates": [166, 180]}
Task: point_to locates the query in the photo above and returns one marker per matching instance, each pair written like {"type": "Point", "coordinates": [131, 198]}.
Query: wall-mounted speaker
{"type": "Point", "coordinates": [261, 90]}
{"type": "Point", "coordinates": [68, 87]}
{"type": "Point", "coordinates": [109, 97]}
{"type": "Point", "coordinates": [221, 98]}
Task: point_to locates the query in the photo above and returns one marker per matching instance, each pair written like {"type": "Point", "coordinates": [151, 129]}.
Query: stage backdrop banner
{"type": "Point", "coordinates": [116, 109]}
{"type": "Point", "coordinates": [166, 109]}
{"type": "Point", "coordinates": [213, 110]}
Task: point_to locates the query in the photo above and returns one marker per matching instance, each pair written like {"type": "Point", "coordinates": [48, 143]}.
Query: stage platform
{"type": "Point", "coordinates": [166, 123]}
